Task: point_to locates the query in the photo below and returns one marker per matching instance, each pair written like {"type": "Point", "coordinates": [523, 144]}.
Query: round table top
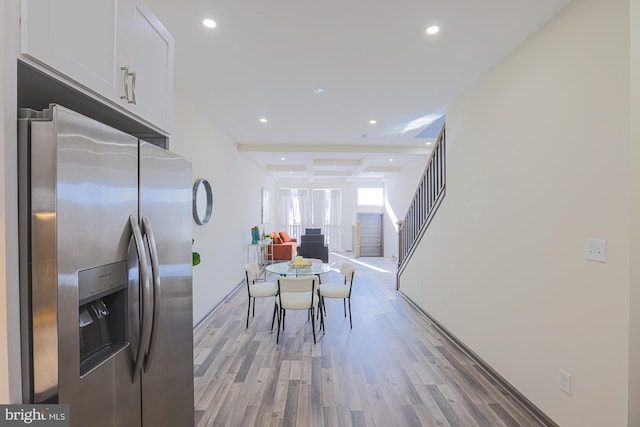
{"type": "Point", "coordinates": [282, 268]}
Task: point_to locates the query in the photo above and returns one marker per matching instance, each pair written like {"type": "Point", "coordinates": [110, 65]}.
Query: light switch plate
{"type": "Point", "coordinates": [565, 382]}
{"type": "Point", "coordinates": [595, 249]}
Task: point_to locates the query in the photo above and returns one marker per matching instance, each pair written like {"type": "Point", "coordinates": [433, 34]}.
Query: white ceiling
{"type": "Point", "coordinates": [265, 58]}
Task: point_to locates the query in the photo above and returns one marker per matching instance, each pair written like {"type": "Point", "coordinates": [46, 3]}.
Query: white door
{"type": "Point", "coordinates": [370, 234]}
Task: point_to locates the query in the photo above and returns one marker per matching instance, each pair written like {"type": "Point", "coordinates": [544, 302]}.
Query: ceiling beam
{"type": "Point", "coordinates": [337, 162]}
{"type": "Point", "coordinates": [382, 169]}
{"type": "Point", "coordinates": [331, 148]}
{"type": "Point", "coordinates": [286, 168]}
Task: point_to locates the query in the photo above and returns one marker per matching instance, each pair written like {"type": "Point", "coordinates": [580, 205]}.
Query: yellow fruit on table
{"type": "Point", "coordinates": [299, 262]}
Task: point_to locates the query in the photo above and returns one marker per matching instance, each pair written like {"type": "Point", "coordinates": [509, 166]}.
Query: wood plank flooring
{"type": "Point", "coordinates": [392, 369]}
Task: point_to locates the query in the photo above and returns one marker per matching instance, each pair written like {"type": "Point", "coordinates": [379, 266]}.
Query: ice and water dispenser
{"type": "Point", "coordinates": [102, 301]}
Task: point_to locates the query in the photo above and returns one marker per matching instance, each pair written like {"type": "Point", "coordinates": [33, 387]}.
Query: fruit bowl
{"type": "Point", "coordinates": [299, 262]}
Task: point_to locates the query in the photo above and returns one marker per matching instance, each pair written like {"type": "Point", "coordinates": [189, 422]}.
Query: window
{"type": "Point", "coordinates": [370, 197]}
{"type": "Point", "coordinates": [321, 208]}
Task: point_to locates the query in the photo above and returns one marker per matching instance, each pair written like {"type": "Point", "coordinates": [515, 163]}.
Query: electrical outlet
{"type": "Point", "coordinates": [595, 249]}
{"type": "Point", "coordinates": [565, 382]}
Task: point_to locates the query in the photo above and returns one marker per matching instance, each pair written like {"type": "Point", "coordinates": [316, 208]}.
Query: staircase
{"type": "Point", "coordinates": [427, 198]}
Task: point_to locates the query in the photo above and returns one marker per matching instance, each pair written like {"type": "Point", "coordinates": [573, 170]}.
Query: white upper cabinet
{"type": "Point", "coordinates": [116, 49]}
{"type": "Point", "coordinates": [149, 56]}
{"type": "Point", "coordinates": [80, 39]}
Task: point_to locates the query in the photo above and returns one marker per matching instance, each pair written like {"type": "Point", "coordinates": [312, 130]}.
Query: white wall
{"type": "Point", "coordinates": [10, 382]}
{"type": "Point", "coordinates": [634, 293]}
{"type": "Point", "coordinates": [399, 191]}
{"type": "Point", "coordinates": [237, 183]}
{"type": "Point", "coordinates": [537, 160]}
{"type": "Point", "coordinates": [4, 329]}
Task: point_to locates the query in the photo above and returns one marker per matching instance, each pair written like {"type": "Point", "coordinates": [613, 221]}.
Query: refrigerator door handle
{"type": "Point", "coordinates": [155, 275]}
{"type": "Point", "coordinates": [145, 323]}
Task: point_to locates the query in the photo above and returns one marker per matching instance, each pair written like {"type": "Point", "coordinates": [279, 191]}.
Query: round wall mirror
{"type": "Point", "coordinates": [202, 201]}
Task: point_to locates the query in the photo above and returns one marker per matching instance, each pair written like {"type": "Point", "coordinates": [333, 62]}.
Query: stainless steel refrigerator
{"type": "Point", "coordinates": [106, 275]}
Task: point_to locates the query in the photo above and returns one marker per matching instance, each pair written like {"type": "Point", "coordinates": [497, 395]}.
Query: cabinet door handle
{"type": "Point", "coordinates": [126, 83]}
{"type": "Point", "coordinates": [127, 74]}
{"type": "Point", "coordinates": [133, 88]}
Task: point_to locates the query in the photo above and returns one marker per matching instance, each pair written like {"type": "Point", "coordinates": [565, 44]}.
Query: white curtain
{"type": "Point", "coordinates": [304, 202]}
{"type": "Point", "coordinates": [309, 207]}
{"type": "Point", "coordinates": [318, 210]}
{"type": "Point", "coordinates": [335, 220]}
{"type": "Point", "coordinates": [283, 209]}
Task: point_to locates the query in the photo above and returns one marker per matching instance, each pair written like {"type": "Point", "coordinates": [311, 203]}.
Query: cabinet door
{"type": "Point", "coordinates": [149, 48]}
{"type": "Point", "coordinates": [78, 39]}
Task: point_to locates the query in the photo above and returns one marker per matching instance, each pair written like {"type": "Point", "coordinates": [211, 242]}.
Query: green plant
{"type": "Point", "coordinates": [196, 256]}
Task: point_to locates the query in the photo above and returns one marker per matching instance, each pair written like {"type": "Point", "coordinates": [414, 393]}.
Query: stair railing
{"type": "Point", "coordinates": [427, 198]}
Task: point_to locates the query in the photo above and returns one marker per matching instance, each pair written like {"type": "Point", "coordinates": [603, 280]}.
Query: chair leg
{"type": "Point", "coordinates": [350, 322]}
{"type": "Point", "coordinates": [313, 326]}
{"type": "Point", "coordinates": [248, 311]}
{"type": "Point", "coordinates": [344, 304]}
{"type": "Point", "coordinates": [280, 316]}
{"type": "Point", "coordinates": [319, 303]}
{"type": "Point", "coordinates": [254, 307]}
{"type": "Point", "coordinates": [273, 319]}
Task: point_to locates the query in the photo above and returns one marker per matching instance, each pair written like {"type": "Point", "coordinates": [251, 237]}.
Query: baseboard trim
{"type": "Point", "coordinates": [206, 317]}
{"type": "Point", "coordinates": [518, 397]}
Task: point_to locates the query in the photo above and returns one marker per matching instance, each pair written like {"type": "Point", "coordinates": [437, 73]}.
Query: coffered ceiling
{"type": "Point", "coordinates": [346, 89]}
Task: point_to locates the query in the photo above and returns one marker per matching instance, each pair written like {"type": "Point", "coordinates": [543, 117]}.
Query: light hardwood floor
{"type": "Point", "coordinates": [392, 369]}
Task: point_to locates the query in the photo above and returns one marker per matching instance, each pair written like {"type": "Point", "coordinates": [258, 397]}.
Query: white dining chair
{"type": "Point", "coordinates": [297, 293]}
{"type": "Point", "coordinates": [316, 261]}
{"type": "Point", "coordinates": [258, 290]}
{"type": "Point", "coordinates": [340, 290]}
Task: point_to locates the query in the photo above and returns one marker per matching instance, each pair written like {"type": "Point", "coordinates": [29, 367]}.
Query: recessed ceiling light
{"type": "Point", "coordinates": [429, 143]}
{"type": "Point", "coordinates": [283, 158]}
{"type": "Point", "coordinates": [433, 29]}
{"type": "Point", "coordinates": [391, 160]}
{"type": "Point", "coordinates": [290, 172]}
{"type": "Point", "coordinates": [372, 122]}
{"type": "Point", "coordinates": [320, 90]}
{"type": "Point", "coordinates": [263, 120]}
{"type": "Point", "coordinates": [209, 23]}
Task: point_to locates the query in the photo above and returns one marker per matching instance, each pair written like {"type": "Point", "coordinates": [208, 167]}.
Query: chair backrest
{"type": "Point", "coordinates": [312, 231]}
{"type": "Point", "coordinates": [288, 286]}
{"type": "Point", "coordinates": [348, 270]}
{"type": "Point", "coordinates": [316, 239]}
{"type": "Point", "coordinates": [251, 271]}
